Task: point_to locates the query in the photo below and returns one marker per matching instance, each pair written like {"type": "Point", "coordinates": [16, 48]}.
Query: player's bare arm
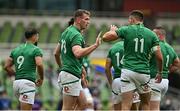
{"type": "Point", "coordinates": [8, 66]}
{"type": "Point", "coordinates": [108, 71]}
{"type": "Point", "coordinates": [159, 59]}
{"type": "Point", "coordinates": [111, 35]}
{"type": "Point", "coordinates": [80, 52]}
{"type": "Point", "coordinates": [175, 65]}
{"type": "Point", "coordinates": [57, 54]}
{"type": "Point", "coordinates": [40, 70]}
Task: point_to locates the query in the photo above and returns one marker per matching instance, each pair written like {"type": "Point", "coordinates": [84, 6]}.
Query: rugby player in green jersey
{"type": "Point", "coordinates": [135, 75]}
{"type": "Point", "coordinates": [26, 58]}
{"type": "Point", "coordinates": [170, 58]}
{"type": "Point", "coordinates": [69, 55]}
{"type": "Point", "coordinates": [114, 59]}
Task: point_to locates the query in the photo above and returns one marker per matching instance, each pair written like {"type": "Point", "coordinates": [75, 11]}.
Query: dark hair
{"type": "Point", "coordinates": [137, 14]}
{"type": "Point", "coordinates": [80, 12]}
{"type": "Point", "coordinates": [71, 22]}
{"type": "Point", "coordinates": [30, 32]}
{"type": "Point", "coordinates": [162, 30]}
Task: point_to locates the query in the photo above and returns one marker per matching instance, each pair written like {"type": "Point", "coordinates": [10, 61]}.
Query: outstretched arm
{"type": "Point", "coordinates": [81, 52]}
{"type": "Point", "coordinates": [111, 35]}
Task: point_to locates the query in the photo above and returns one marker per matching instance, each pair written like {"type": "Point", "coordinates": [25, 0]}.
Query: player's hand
{"type": "Point", "coordinates": [113, 28]}
{"type": "Point", "coordinates": [158, 78]}
{"type": "Point", "coordinates": [39, 82]}
{"type": "Point", "coordinates": [98, 39]}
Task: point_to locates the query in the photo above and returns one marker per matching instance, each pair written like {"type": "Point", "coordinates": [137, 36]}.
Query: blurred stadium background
{"type": "Point", "coordinates": [51, 17]}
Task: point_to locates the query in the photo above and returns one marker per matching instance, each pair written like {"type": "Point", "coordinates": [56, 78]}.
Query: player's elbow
{"type": "Point", "coordinates": [105, 38]}
{"type": "Point", "coordinates": [5, 68]}
{"type": "Point", "coordinates": [159, 57]}
{"type": "Point", "coordinates": [109, 36]}
{"type": "Point", "coordinates": [56, 54]}
{"type": "Point", "coordinates": [107, 70]}
{"type": "Point", "coordinates": [78, 55]}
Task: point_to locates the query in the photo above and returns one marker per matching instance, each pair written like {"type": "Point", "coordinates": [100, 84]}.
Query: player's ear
{"type": "Point", "coordinates": [78, 20]}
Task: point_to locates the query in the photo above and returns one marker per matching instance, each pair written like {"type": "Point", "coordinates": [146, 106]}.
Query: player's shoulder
{"type": "Point", "coordinates": [168, 45]}
{"type": "Point", "coordinates": [149, 31]}
{"type": "Point", "coordinates": [117, 46]}
{"type": "Point", "coordinates": [18, 47]}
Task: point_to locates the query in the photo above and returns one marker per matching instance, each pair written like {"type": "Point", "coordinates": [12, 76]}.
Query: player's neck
{"type": "Point", "coordinates": [138, 22]}
{"type": "Point", "coordinates": [77, 26]}
{"type": "Point", "coordinates": [29, 41]}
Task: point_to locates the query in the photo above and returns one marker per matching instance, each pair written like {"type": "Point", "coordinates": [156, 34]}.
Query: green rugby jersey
{"type": "Point", "coordinates": [24, 60]}
{"type": "Point", "coordinates": [138, 41]}
{"type": "Point", "coordinates": [115, 54]}
{"type": "Point", "coordinates": [70, 37]}
{"type": "Point", "coordinates": [169, 56]}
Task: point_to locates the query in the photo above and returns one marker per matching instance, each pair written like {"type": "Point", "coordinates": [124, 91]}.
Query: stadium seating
{"type": "Point", "coordinates": [55, 33]}
{"type": "Point", "coordinates": [14, 34]}
{"type": "Point", "coordinates": [91, 34]}
{"type": "Point", "coordinates": [43, 33]}
{"type": "Point", "coordinates": [5, 32]}
{"type": "Point", "coordinates": [18, 33]}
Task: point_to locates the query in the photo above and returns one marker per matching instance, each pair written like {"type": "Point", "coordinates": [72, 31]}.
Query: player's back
{"type": "Point", "coordinates": [138, 41]}
{"type": "Point", "coordinates": [115, 54]}
{"type": "Point", "coordinates": [24, 59]}
{"type": "Point", "coordinates": [169, 56]}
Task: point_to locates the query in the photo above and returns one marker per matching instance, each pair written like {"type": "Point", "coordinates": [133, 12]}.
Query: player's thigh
{"type": "Point", "coordinates": [165, 83]}
{"type": "Point", "coordinates": [116, 91]}
{"type": "Point", "coordinates": [142, 82]}
{"type": "Point", "coordinates": [127, 83]}
{"type": "Point", "coordinates": [25, 106]}
{"type": "Point", "coordinates": [26, 90]}
{"type": "Point", "coordinates": [154, 105]}
{"type": "Point", "coordinates": [71, 85]}
{"type": "Point", "coordinates": [88, 95]}
{"type": "Point", "coordinates": [158, 89]}
{"type": "Point", "coordinates": [69, 102]}
{"type": "Point", "coordinates": [117, 106]}
{"type": "Point", "coordinates": [82, 101]}
{"type": "Point", "coordinates": [136, 98]}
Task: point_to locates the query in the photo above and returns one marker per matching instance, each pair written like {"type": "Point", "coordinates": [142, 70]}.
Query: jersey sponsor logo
{"type": "Point", "coordinates": [145, 87]}
{"type": "Point", "coordinates": [25, 97]}
{"type": "Point", "coordinates": [66, 89]}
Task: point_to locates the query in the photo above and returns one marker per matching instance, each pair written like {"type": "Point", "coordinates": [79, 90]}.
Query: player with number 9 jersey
{"type": "Point", "coordinates": [24, 59]}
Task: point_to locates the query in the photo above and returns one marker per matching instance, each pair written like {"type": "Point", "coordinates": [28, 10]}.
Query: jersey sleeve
{"type": "Point", "coordinates": [11, 54]}
{"type": "Point", "coordinates": [109, 54]}
{"type": "Point", "coordinates": [175, 56]}
{"type": "Point", "coordinates": [121, 32]}
{"type": "Point", "coordinates": [155, 40]}
{"type": "Point", "coordinates": [59, 40]}
{"type": "Point", "coordinates": [38, 52]}
{"type": "Point", "coordinates": [77, 40]}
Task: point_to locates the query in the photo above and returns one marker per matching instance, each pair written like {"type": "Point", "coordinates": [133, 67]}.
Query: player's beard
{"type": "Point", "coordinates": [36, 43]}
